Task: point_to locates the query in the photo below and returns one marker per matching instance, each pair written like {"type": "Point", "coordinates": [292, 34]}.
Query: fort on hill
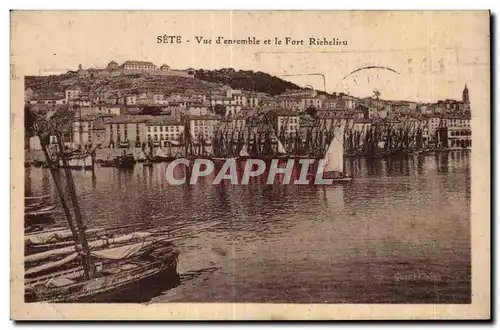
{"type": "Point", "coordinates": [113, 69]}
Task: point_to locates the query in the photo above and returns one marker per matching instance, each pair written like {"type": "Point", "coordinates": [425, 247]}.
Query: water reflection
{"type": "Point", "coordinates": [301, 243]}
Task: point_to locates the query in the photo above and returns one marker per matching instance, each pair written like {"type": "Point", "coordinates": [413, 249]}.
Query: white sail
{"type": "Point", "coordinates": [79, 161]}
{"type": "Point", "coordinates": [141, 155]}
{"type": "Point", "coordinates": [159, 153]}
{"type": "Point", "coordinates": [281, 149]}
{"type": "Point", "coordinates": [334, 157]}
{"type": "Point", "coordinates": [243, 151]}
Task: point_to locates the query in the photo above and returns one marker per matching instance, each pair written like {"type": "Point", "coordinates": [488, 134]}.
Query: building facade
{"type": "Point", "coordinates": [139, 66]}
{"type": "Point", "coordinates": [126, 131]}
{"type": "Point", "coordinates": [203, 127]}
{"type": "Point", "coordinates": [161, 132]}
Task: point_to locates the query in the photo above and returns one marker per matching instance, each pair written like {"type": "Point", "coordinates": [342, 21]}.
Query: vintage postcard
{"type": "Point", "coordinates": [250, 165]}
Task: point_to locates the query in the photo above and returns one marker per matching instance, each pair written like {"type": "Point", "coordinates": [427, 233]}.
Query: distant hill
{"type": "Point", "coordinates": [137, 82]}
{"type": "Point", "coordinates": [247, 80]}
{"type": "Point", "coordinates": [205, 80]}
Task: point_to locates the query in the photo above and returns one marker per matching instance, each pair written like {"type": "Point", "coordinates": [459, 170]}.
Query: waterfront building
{"type": "Point", "coordinates": [361, 125]}
{"type": "Point", "coordinates": [232, 124]}
{"type": "Point", "coordinates": [433, 124]}
{"type": "Point", "coordinates": [454, 137]}
{"type": "Point", "coordinates": [163, 130]}
{"type": "Point", "coordinates": [329, 120]}
{"type": "Point", "coordinates": [285, 122]}
{"type": "Point", "coordinates": [126, 130]}
{"type": "Point", "coordinates": [88, 131]}
{"type": "Point", "coordinates": [203, 126]}
{"type": "Point", "coordinates": [454, 131]}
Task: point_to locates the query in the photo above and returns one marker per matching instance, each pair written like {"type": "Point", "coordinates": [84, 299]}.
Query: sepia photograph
{"type": "Point", "coordinates": [320, 165]}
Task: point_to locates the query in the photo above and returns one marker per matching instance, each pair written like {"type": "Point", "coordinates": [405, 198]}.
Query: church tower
{"type": "Point", "coordinates": [465, 95]}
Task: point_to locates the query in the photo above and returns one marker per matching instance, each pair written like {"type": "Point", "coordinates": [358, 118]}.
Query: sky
{"type": "Point", "coordinates": [418, 56]}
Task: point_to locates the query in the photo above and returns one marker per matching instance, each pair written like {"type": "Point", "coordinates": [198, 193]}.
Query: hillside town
{"type": "Point", "coordinates": [168, 108]}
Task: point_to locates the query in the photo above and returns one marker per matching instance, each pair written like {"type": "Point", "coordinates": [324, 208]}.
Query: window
{"type": "Point", "coordinates": [149, 129]}
{"type": "Point", "coordinates": [161, 136]}
{"type": "Point", "coordinates": [155, 128]}
{"type": "Point", "coordinates": [161, 128]}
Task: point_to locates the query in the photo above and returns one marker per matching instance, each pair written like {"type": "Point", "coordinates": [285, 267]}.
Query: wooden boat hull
{"type": "Point", "coordinates": [111, 163]}
{"type": "Point", "coordinates": [38, 219]}
{"type": "Point", "coordinates": [126, 161]}
{"type": "Point", "coordinates": [83, 162]}
{"type": "Point", "coordinates": [113, 288]}
{"type": "Point", "coordinates": [159, 159]}
{"type": "Point", "coordinates": [342, 180]}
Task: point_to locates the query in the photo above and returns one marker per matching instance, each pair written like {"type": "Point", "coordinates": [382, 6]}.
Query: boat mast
{"type": "Point", "coordinates": [88, 268]}
{"type": "Point", "coordinates": [59, 189]}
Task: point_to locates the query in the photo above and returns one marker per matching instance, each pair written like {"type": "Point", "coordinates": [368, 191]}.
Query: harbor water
{"type": "Point", "coordinates": [398, 233]}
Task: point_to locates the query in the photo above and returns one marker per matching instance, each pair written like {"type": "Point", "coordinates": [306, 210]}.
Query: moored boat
{"type": "Point", "coordinates": [120, 264]}
{"type": "Point", "coordinates": [125, 161]}
{"type": "Point", "coordinates": [334, 160]}
{"type": "Point", "coordinates": [108, 163]}
{"type": "Point", "coordinates": [78, 267]}
{"type": "Point", "coordinates": [38, 210]}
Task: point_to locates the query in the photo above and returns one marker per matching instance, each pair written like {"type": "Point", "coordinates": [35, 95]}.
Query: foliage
{"type": "Point", "coordinates": [56, 121]}
{"type": "Point", "coordinates": [247, 80]}
{"type": "Point", "coordinates": [312, 111]}
{"type": "Point", "coordinates": [152, 111]}
{"type": "Point", "coordinates": [29, 121]}
{"type": "Point", "coordinates": [220, 110]}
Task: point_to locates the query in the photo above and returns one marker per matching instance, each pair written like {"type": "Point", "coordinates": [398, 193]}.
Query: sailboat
{"type": "Point", "coordinates": [80, 270]}
{"type": "Point", "coordinates": [82, 161]}
{"type": "Point", "coordinates": [281, 150]}
{"type": "Point", "coordinates": [38, 210]}
{"type": "Point", "coordinates": [334, 160]}
{"type": "Point", "coordinates": [244, 155]}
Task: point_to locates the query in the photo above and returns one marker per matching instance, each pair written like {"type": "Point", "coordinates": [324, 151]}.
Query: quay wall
{"type": "Point", "coordinates": [106, 153]}
{"type": "Point", "coordinates": [111, 153]}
